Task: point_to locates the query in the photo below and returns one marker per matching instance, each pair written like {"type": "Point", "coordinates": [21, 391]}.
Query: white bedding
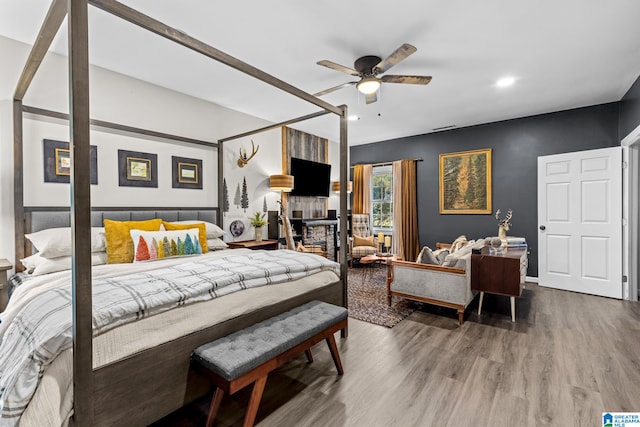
{"type": "Point", "coordinates": [52, 396]}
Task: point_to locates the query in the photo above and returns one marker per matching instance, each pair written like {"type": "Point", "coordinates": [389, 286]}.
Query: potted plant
{"type": "Point", "coordinates": [258, 221]}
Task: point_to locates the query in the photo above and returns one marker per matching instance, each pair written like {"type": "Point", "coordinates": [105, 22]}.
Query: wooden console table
{"type": "Point", "coordinates": [252, 244]}
{"type": "Point", "coordinates": [502, 274]}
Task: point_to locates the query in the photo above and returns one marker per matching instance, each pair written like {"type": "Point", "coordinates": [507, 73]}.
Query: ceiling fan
{"type": "Point", "coordinates": [368, 67]}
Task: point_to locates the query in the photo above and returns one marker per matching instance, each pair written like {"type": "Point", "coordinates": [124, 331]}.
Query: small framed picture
{"type": "Point", "coordinates": [57, 162]}
{"type": "Point", "coordinates": [187, 173]}
{"type": "Point", "coordinates": [136, 169]}
{"type": "Point", "coordinates": [63, 162]}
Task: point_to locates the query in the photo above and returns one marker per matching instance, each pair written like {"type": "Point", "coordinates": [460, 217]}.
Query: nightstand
{"type": "Point", "coordinates": [252, 244]}
{"type": "Point", "coordinates": [501, 274]}
{"type": "Point", "coordinates": [5, 265]}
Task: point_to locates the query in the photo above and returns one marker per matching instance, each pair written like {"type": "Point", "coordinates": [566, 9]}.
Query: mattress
{"type": "Point", "coordinates": [51, 403]}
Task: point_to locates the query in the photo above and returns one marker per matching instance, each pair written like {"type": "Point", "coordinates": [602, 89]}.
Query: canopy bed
{"type": "Point", "coordinates": [150, 380]}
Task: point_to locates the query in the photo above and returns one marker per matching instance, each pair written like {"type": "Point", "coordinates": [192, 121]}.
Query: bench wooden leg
{"type": "Point", "coordinates": [309, 355]}
{"type": "Point", "coordinates": [331, 342]}
{"type": "Point", "coordinates": [215, 405]}
{"type": "Point", "coordinates": [254, 402]}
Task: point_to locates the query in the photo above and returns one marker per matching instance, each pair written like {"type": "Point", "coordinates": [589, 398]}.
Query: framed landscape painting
{"type": "Point", "coordinates": [465, 182]}
{"type": "Point", "coordinates": [186, 173]}
{"type": "Point", "coordinates": [137, 169]}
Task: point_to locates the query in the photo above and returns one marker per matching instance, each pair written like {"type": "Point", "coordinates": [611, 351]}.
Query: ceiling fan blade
{"type": "Point", "coordinates": [331, 89]}
{"type": "Point", "coordinates": [371, 98]}
{"type": "Point", "coordinates": [339, 67]}
{"type": "Point", "coordinates": [398, 55]}
{"type": "Point", "coordinates": [414, 80]}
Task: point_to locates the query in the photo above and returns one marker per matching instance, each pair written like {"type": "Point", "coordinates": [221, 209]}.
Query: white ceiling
{"type": "Point", "coordinates": [562, 53]}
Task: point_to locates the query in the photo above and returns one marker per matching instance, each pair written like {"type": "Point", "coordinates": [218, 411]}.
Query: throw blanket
{"type": "Point", "coordinates": [41, 329]}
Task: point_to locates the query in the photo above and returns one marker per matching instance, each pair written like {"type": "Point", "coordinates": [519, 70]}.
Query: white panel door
{"type": "Point", "coordinates": [580, 221]}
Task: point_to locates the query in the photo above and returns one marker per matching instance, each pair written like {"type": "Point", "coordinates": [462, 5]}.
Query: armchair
{"type": "Point", "coordinates": [362, 241]}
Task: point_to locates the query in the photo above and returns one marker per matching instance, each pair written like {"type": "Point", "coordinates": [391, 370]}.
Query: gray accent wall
{"type": "Point", "coordinates": [630, 110]}
{"type": "Point", "coordinates": [516, 145]}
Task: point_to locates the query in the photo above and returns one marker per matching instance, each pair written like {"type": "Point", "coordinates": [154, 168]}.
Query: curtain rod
{"type": "Point", "coordinates": [383, 163]}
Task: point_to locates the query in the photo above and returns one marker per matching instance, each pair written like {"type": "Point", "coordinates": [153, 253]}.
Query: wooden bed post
{"type": "Point", "coordinates": [344, 170]}
{"type": "Point", "coordinates": [80, 213]}
{"type": "Point", "coordinates": [52, 22]}
{"type": "Point", "coordinates": [18, 183]}
{"type": "Point", "coordinates": [220, 183]}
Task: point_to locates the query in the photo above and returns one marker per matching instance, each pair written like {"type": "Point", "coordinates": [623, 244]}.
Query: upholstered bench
{"type": "Point", "coordinates": [247, 356]}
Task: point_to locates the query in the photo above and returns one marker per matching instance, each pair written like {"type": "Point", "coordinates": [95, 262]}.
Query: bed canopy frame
{"type": "Point", "coordinates": [79, 127]}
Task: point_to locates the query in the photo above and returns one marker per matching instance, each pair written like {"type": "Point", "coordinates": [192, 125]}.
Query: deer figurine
{"type": "Point", "coordinates": [503, 224]}
{"type": "Point", "coordinates": [243, 160]}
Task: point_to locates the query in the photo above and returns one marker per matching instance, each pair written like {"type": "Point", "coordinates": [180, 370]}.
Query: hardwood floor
{"type": "Point", "coordinates": [568, 358]}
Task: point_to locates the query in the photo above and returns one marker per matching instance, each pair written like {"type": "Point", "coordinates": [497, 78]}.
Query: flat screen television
{"type": "Point", "coordinates": [311, 179]}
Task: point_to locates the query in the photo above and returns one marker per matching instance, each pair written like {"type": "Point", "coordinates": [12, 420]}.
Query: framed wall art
{"type": "Point", "coordinates": [136, 169]}
{"type": "Point", "coordinates": [186, 173]}
{"type": "Point", "coordinates": [465, 182]}
{"type": "Point", "coordinates": [57, 162]}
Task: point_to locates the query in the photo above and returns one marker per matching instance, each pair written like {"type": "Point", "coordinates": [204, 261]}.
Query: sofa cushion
{"type": "Point", "coordinates": [458, 259]}
{"type": "Point", "coordinates": [363, 241]}
{"type": "Point", "coordinates": [359, 251]}
{"type": "Point", "coordinates": [460, 242]}
{"type": "Point", "coordinates": [441, 254]}
{"type": "Point", "coordinates": [426, 256]}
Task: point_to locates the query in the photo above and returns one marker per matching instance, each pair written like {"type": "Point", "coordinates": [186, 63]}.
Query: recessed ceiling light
{"type": "Point", "coordinates": [353, 118]}
{"type": "Point", "coordinates": [505, 82]}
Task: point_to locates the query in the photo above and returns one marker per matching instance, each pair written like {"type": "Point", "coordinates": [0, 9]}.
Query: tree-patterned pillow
{"type": "Point", "coordinates": [153, 245]}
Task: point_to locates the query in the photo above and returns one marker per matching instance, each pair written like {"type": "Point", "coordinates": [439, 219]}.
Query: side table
{"type": "Point", "coordinates": [5, 265]}
{"type": "Point", "coordinates": [501, 273]}
{"type": "Point", "coordinates": [378, 259]}
{"type": "Point", "coordinates": [252, 244]}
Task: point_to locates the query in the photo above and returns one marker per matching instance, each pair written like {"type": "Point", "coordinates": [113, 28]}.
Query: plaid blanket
{"type": "Point", "coordinates": [42, 328]}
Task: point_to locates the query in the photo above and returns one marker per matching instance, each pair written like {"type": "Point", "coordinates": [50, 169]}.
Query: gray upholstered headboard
{"type": "Point", "coordinates": [40, 218]}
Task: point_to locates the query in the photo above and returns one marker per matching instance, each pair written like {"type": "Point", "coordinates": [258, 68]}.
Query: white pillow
{"type": "Point", "coordinates": [37, 264]}
{"type": "Point", "coordinates": [56, 242]}
{"type": "Point", "coordinates": [31, 262]}
{"type": "Point", "coordinates": [216, 244]}
{"type": "Point", "coordinates": [154, 245]}
{"type": "Point", "coordinates": [213, 231]}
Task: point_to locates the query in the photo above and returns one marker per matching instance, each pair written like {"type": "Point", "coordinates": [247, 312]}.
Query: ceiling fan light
{"type": "Point", "coordinates": [368, 85]}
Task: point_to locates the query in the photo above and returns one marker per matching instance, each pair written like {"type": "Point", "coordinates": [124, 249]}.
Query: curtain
{"type": "Point", "coordinates": [362, 189]}
{"type": "Point", "coordinates": [405, 212]}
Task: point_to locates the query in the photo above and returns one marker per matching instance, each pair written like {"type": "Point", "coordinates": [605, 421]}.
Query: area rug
{"type": "Point", "coordinates": [367, 297]}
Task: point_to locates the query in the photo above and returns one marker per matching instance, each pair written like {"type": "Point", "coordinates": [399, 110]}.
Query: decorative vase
{"type": "Point", "coordinates": [258, 234]}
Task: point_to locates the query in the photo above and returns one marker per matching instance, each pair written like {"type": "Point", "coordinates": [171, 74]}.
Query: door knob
{"type": "Point", "coordinates": [542, 227]}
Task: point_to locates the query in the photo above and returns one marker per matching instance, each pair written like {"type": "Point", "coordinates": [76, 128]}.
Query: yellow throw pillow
{"type": "Point", "coordinates": [119, 242]}
{"type": "Point", "coordinates": [202, 231]}
{"type": "Point", "coordinates": [363, 241]}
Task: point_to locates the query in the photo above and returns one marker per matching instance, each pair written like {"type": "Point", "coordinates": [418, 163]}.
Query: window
{"type": "Point", "coordinates": [382, 199]}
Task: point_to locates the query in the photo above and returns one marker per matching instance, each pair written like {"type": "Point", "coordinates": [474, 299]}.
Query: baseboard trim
{"type": "Point", "coordinates": [532, 279]}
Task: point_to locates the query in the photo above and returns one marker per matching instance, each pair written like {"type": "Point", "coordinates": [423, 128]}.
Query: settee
{"type": "Point", "coordinates": [447, 284]}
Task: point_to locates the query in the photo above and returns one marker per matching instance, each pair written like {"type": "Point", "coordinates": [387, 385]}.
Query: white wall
{"type": "Point", "coordinates": [267, 161]}
{"type": "Point", "coordinates": [108, 192]}
{"type": "Point", "coordinates": [334, 159]}
{"type": "Point", "coordinates": [115, 98]}
{"type": "Point", "coordinates": [124, 100]}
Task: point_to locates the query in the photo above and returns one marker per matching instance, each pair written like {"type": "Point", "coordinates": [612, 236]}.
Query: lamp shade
{"type": "Point", "coordinates": [282, 183]}
{"type": "Point", "coordinates": [335, 186]}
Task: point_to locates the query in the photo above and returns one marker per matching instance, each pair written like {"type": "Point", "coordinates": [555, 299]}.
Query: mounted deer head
{"type": "Point", "coordinates": [243, 160]}
{"type": "Point", "coordinates": [503, 224]}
